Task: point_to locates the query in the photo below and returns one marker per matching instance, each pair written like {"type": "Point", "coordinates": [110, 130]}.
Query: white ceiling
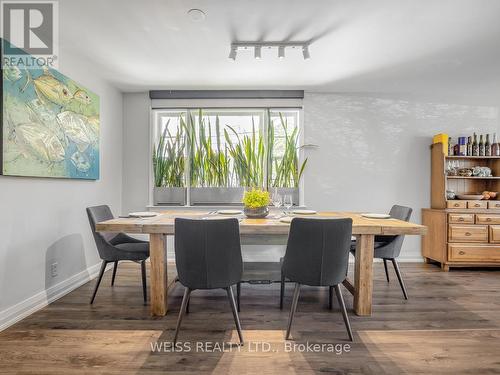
{"type": "Point", "coordinates": [383, 46]}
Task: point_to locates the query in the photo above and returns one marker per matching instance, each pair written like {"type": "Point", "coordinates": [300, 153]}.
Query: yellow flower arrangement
{"type": "Point", "coordinates": [256, 198]}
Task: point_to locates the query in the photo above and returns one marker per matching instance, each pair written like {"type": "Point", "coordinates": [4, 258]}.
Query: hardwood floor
{"type": "Point", "coordinates": [450, 325]}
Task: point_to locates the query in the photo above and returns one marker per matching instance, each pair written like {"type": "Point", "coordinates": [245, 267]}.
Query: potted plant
{"type": "Point", "coordinates": [287, 170]}
{"type": "Point", "coordinates": [212, 178]}
{"type": "Point", "coordinates": [256, 203]}
{"type": "Point", "coordinates": [168, 168]}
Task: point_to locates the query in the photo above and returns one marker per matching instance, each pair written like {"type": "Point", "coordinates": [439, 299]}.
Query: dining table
{"type": "Point", "coordinates": [272, 228]}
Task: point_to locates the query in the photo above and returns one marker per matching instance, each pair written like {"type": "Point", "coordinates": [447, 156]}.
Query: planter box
{"type": "Point", "coordinates": [216, 195]}
{"type": "Point", "coordinates": [169, 195]}
{"type": "Point", "coordinates": [294, 192]}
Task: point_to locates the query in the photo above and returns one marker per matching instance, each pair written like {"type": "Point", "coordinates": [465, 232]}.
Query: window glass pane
{"type": "Point", "coordinates": [227, 148]}
{"type": "Point", "coordinates": [169, 149]}
{"type": "Point", "coordinates": [284, 167]}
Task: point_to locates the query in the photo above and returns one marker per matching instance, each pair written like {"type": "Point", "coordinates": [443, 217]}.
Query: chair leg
{"type": "Point", "coordinates": [230, 296]}
{"type": "Point", "coordinates": [238, 293]}
{"type": "Point", "coordinates": [101, 272]}
{"type": "Point", "coordinates": [295, 299]}
{"type": "Point", "coordinates": [185, 299]}
{"type": "Point", "coordinates": [398, 274]}
{"type": "Point", "coordinates": [144, 285]}
{"type": "Point", "coordinates": [282, 290]}
{"type": "Point", "coordinates": [114, 273]}
{"type": "Point", "coordinates": [330, 297]}
{"type": "Point", "coordinates": [386, 271]}
{"type": "Point", "coordinates": [344, 311]}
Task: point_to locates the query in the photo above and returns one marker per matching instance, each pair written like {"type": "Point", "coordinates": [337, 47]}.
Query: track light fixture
{"type": "Point", "coordinates": [257, 52]}
{"type": "Point", "coordinates": [257, 48]}
{"type": "Point", "coordinates": [281, 52]}
{"type": "Point", "coordinates": [305, 52]}
{"type": "Point", "coordinates": [232, 54]}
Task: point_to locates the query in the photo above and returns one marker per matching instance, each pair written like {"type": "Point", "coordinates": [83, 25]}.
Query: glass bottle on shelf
{"type": "Point", "coordinates": [469, 146]}
{"type": "Point", "coordinates": [481, 145]}
{"type": "Point", "coordinates": [450, 147]}
{"type": "Point", "coordinates": [495, 147]}
{"type": "Point", "coordinates": [487, 146]}
{"type": "Point", "coordinates": [475, 146]}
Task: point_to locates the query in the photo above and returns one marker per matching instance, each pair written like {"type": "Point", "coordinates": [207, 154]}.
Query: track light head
{"type": "Point", "coordinates": [232, 54]}
{"type": "Point", "coordinates": [257, 52]}
{"type": "Point", "coordinates": [305, 52]}
{"type": "Point", "coordinates": [281, 52]}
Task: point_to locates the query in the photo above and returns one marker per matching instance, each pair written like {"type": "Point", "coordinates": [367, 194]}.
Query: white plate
{"type": "Point", "coordinates": [143, 214]}
{"type": "Point", "coordinates": [376, 216]}
{"type": "Point", "coordinates": [304, 212]}
{"type": "Point", "coordinates": [286, 219]}
{"type": "Point", "coordinates": [229, 212]}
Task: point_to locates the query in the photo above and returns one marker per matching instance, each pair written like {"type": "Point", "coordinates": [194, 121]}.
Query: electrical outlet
{"type": "Point", "coordinates": [53, 269]}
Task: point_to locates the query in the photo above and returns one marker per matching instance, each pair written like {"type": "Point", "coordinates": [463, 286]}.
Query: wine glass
{"type": "Point", "coordinates": [276, 199]}
{"type": "Point", "coordinates": [287, 201]}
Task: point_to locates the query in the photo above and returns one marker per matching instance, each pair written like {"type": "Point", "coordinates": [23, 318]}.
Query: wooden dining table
{"type": "Point", "coordinates": [162, 225]}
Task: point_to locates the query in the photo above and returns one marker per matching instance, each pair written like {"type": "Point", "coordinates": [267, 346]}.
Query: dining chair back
{"type": "Point", "coordinates": [317, 254]}
{"type": "Point", "coordinates": [208, 256]}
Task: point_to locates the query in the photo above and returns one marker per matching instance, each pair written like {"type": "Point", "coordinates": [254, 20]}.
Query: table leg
{"type": "Point", "coordinates": [363, 274]}
{"type": "Point", "coordinates": [158, 274]}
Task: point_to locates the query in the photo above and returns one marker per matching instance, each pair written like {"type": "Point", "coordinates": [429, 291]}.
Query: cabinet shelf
{"type": "Point", "coordinates": [471, 157]}
{"type": "Point", "coordinates": [473, 178]}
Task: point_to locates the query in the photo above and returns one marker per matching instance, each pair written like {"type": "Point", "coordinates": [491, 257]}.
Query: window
{"type": "Point", "coordinates": [211, 150]}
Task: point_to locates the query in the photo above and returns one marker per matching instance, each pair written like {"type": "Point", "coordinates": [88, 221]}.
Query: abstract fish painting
{"type": "Point", "coordinates": [49, 125]}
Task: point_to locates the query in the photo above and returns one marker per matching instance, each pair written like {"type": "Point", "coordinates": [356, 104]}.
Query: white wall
{"type": "Point", "coordinates": [43, 221]}
{"type": "Point", "coordinates": [374, 152]}
{"type": "Point", "coordinates": [136, 151]}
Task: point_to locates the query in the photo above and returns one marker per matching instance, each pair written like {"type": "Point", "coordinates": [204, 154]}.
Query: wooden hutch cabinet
{"type": "Point", "coordinates": [462, 233]}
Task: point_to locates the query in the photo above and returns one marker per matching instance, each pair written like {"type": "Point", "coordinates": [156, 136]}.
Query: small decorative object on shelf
{"type": "Point", "coordinates": [481, 146]}
{"type": "Point", "coordinates": [450, 194]}
{"type": "Point", "coordinates": [487, 146]}
{"type": "Point", "coordinates": [495, 147]}
{"type": "Point", "coordinates": [481, 172]}
{"type": "Point", "coordinates": [489, 195]}
{"type": "Point", "coordinates": [256, 203]}
{"type": "Point", "coordinates": [475, 146]}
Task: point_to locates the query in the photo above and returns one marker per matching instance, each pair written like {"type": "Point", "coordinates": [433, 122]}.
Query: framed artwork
{"type": "Point", "coordinates": [49, 125]}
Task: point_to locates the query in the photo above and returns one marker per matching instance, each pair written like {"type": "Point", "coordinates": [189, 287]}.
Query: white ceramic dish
{"type": "Point", "coordinates": [376, 216]}
{"type": "Point", "coordinates": [286, 219]}
{"type": "Point", "coordinates": [470, 197]}
{"type": "Point", "coordinates": [304, 212]}
{"type": "Point", "coordinates": [143, 214]}
{"type": "Point", "coordinates": [229, 212]}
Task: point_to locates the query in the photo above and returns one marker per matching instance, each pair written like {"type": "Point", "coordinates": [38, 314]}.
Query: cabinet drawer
{"type": "Point", "coordinates": [494, 204]}
{"type": "Point", "coordinates": [477, 204]}
{"type": "Point", "coordinates": [467, 233]}
{"type": "Point", "coordinates": [476, 253]}
{"type": "Point", "coordinates": [456, 204]}
{"type": "Point", "coordinates": [461, 218]}
{"type": "Point", "coordinates": [487, 219]}
{"type": "Point", "coordinates": [495, 233]}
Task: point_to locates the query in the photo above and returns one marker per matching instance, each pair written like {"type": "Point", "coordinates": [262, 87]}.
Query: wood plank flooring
{"type": "Point", "coordinates": [450, 325]}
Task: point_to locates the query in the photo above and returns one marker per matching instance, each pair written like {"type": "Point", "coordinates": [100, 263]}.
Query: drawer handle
{"type": "Point", "coordinates": [477, 205]}
{"type": "Point", "coordinates": [468, 234]}
{"type": "Point", "coordinates": [456, 205]}
{"type": "Point", "coordinates": [460, 219]}
{"type": "Point", "coordinates": [488, 219]}
{"type": "Point", "coordinates": [461, 252]}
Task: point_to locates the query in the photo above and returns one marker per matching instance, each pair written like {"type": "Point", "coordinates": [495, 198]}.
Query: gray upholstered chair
{"type": "Point", "coordinates": [389, 247]}
{"type": "Point", "coordinates": [208, 256]}
{"type": "Point", "coordinates": [115, 247]}
{"type": "Point", "coordinates": [317, 254]}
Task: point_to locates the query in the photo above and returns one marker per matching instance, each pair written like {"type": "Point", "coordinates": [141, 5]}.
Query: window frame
{"type": "Point", "coordinates": [192, 109]}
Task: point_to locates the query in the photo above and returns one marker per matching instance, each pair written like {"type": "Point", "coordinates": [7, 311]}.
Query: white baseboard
{"type": "Point", "coordinates": [21, 310]}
